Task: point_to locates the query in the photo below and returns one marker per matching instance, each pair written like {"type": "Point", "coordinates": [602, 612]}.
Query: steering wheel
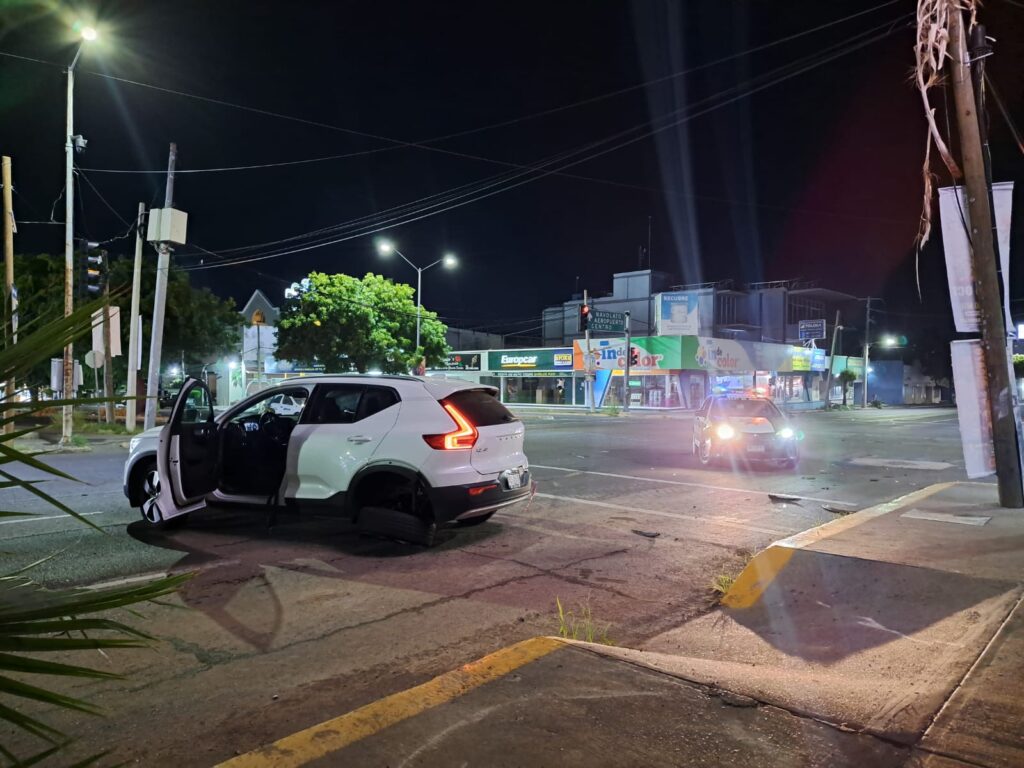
{"type": "Point", "coordinates": [273, 426]}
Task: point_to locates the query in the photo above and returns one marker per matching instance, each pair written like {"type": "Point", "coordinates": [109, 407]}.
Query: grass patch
{"type": "Point", "coordinates": [722, 583]}
{"type": "Point", "coordinates": [78, 441]}
{"type": "Point", "coordinates": [612, 410]}
{"type": "Point", "coordinates": [578, 623]}
{"type": "Point", "coordinates": [89, 426]}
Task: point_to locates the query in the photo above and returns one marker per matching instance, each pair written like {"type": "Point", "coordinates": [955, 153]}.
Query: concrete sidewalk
{"type": "Point", "coordinates": [889, 637]}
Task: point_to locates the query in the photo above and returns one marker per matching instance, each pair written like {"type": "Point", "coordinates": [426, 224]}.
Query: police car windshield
{"type": "Point", "coordinates": [747, 408]}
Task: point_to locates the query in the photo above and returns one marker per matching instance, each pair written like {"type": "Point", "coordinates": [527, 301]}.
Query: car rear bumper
{"type": "Point", "coordinates": [461, 502]}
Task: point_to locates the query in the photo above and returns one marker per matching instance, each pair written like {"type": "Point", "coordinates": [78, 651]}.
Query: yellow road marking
{"type": "Point", "coordinates": [323, 739]}
{"type": "Point", "coordinates": [766, 565]}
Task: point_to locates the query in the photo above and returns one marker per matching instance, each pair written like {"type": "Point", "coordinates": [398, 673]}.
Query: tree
{"type": "Point", "coordinates": [351, 324]}
{"type": "Point", "coordinates": [846, 378]}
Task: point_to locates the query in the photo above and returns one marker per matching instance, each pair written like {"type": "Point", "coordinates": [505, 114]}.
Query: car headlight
{"type": "Point", "coordinates": [725, 432]}
{"type": "Point", "coordinates": [786, 433]}
{"type": "Point", "coordinates": [133, 444]}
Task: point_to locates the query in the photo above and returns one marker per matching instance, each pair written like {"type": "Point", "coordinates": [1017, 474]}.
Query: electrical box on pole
{"type": "Point", "coordinates": [167, 225]}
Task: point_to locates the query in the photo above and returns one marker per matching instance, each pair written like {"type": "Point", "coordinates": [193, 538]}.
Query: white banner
{"type": "Point", "coordinates": [955, 224]}
{"type": "Point", "coordinates": [972, 408]}
{"type": "Point", "coordinates": [98, 344]}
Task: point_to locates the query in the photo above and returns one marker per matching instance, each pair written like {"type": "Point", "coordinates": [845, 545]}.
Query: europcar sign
{"type": "Point", "coordinates": [556, 359]}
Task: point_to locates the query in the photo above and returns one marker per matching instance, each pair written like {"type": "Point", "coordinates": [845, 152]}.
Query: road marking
{"type": "Point", "coordinates": [945, 517]}
{"type": "Point", "coordinates": [730, 522]}
{"type": "Point", "coordinates": [36, 519]}
{"type": "Point", "coordinates": [705, 486]}
{"type": "Point", "coordinates": [767, 564]}
{"type": "Point", "coordinates": [333, 735]}
{"type": "Point", "coordinates": [868, 461]}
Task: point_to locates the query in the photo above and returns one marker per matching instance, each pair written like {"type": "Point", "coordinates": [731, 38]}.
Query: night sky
{"type": "Point", "coordinates": [817, 177]}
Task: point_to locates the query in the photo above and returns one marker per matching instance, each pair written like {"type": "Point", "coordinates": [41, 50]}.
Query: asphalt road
{"type": "Point", "coordinates": [308, 619]}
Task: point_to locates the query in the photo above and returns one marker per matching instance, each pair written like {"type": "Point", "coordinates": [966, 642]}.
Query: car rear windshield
{"type": "Point", "coordinates": [481, 407]}
{"type": "Point", "coordinates": [748, 408]}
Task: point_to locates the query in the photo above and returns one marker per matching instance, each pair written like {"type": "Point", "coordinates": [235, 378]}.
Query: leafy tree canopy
{"type": "Point", "coordinates": [350, 324]}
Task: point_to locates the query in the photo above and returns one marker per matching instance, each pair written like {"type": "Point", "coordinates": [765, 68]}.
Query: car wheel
{"type": "Point", "coordinates": [397, 525]}
{"type": "Point", "coordinates": [471, 521]}
{"type": "Point", "coordinates": [149, 493]}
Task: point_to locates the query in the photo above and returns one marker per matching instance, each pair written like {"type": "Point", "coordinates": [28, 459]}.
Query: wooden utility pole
{"type": "Point", "coordinates": [831, 364]}
{"type": "Point", "coordinates": [626, 367]}
{"type": "Point", "coordinates": [12, 338]}
{"type": "Point", "coordinates": [134, 337]}
{"type": "Point", "coordinates": [163, 265]}
{"type": "Point", "coordinates": [983, 267]}
{"type": "Point", "coordinates": [867, 350]}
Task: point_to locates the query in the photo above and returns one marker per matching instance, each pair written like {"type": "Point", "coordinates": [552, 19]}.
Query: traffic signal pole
{"type": "Point", "coordinates": [983, 267]}
{"type": "Point", "coordinates": [108, 353]}
{"type": "Point", "coordinates": [12, 337]}
{"type": "Point", "coordinates": [589, 365]}
{"type": "Point", "coordinates": [629, 359]}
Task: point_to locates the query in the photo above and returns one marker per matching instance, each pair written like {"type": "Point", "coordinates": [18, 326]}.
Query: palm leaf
{"type": "Point", "coordinates": [28, 665]}
{"type": "Point", "coordinates": [30, 486]}
{"type": "Point", "coordinates": [13, 454]}
{"type": "Point", "coordinates": [17, 688]}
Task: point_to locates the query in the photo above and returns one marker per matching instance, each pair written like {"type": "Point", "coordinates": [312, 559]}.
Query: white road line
{"type": "Point", "coordinates": [729, 522]}
{"type": "Point", "coordinates": [37, 519]}
{"type": "Point", "coordinates": [705, 486]}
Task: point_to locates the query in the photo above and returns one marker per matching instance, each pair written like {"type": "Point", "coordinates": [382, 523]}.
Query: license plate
{"type": "Point", "coordinates": [755, 449]}
{"type": "Point", "coordinates": [515, 480]}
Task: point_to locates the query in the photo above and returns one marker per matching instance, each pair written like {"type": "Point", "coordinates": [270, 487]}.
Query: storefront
{"type": "Point", "coordinates": [680, 371]}
{"type": "Point", "coordinates": [533, 376]}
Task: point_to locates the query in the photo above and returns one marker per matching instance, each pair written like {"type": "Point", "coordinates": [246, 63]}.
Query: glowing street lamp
{"type": "Point", "coordinates": [89, 34]}
{"type": "Point", "coordinates": [448, 261]}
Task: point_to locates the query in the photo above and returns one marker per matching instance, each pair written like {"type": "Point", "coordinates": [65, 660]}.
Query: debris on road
{"type": "Point", "coordinates": [838, 510]}
{"type": "Point", "coordinates": [648, 534]}
{"type": "Point", "coordinates": [784, 498]}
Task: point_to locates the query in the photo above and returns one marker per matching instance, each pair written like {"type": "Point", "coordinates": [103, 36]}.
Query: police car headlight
{"type": "Point", "coordinates": [725, 432]}
{"type": "Point", "coordinates": [786, 433]}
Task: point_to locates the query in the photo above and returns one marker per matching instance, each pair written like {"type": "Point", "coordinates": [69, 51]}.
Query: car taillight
{"type": "Point", "coordinates": [464, 436]}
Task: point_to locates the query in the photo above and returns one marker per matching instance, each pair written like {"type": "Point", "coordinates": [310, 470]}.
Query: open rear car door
{"type": "Point", "coordinates": [187, 457]}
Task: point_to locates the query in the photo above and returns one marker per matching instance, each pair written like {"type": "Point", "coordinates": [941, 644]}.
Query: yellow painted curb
{"type": "Point", "coordinates": [330, 736]}
{"type": "Point", "coordinates": [766, 565]}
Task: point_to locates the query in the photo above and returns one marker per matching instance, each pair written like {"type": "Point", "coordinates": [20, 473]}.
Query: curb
{"type": "Point", "coordinates": [767, 564]}
{"type": "Point", "coordinates": [332, 735]}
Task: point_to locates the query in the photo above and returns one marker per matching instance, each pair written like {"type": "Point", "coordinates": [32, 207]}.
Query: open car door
{"type": "Point", "coordinates": [187, 456]}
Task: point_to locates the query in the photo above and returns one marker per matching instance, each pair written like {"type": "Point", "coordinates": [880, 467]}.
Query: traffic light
{"type": "Point", "coordinates": [91, 270]}
{"type": "Point", "coordinates": [634, 356]}
{"type": "Point", "coordinates": [584, 317]}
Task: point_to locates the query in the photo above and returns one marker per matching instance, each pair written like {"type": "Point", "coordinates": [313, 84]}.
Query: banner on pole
{"type": "Point", "coordinates": [956, 223]}
{"type": "Point", "coordinates": [972, 408]}
{"type": "Point", "coordinates": [98, 344]}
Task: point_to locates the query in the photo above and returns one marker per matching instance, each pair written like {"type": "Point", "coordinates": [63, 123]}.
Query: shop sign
{"type": "Point", "coordinates": [531, 374]}
{"type": "Point", "coordinates": [559, 359]}
{"type": "Point", "coordinates": [460, 361]}
{"type": "Point", "coordinates": [678, 313]}
{"type": "Point", "coordinates": [655, 353]}
{"type": "Point", "coordinates": [808, 359]}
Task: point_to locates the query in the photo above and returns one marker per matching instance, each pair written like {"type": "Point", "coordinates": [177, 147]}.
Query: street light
{"type": "Point", "coordinates": [72, 144]}
{"type": "Point", "coordinates": [449, 261]}
{"type": "Point", "coordinates": [890, 341]}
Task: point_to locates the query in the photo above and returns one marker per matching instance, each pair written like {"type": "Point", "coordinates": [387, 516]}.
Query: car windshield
{"type": "Point", "coordinates": [747, 408]}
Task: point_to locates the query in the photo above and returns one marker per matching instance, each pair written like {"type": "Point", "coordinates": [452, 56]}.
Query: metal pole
{"type": "Point", "coordinates": [831, 364]}
{"type": "Point", "coordinates": [588, 367]}
{"type": "Point", "coordinates": [867, 351]}
{"type": "Point", "coordinates": [159, 304]}
{"type": "Point", "coordinates": [69, 251]}
{"type": "Point", "coordinates": [419, 304]}
{"type": "Point", "coordinates": [134, 340]}
{"type": "Point", "coordinates": [629, 354]}
{"type": "Point", "coordinates": [986, 278]}
{"type": "Point", "coordinates": [12, 337]}
{"type": "Point", "coordinates": [108, 350]}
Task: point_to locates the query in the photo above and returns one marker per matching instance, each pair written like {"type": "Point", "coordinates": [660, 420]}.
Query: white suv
{"type": "Point", "coordinates": [399, 455]}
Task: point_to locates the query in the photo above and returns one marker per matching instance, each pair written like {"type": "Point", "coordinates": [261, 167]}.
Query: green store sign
{"type": "Point", "coordinates": [557, 359]}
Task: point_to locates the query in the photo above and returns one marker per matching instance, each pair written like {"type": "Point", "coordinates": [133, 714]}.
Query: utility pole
{"type": "Point", "coordinates": [831, 364]}
{"type": "Point", "coordinates": [12, 337]}
{"type": "Point", "coordinates": [69, 250]}
{"type": "Point", "coordinates": [986, 279]}
{"type": "Point", "coordinates": [867, 350]}
{"type": "Point", "coordinates": [163, 265]}
{"type": "Point", "coordinates": [629, 355]}
{"type": "Point", "coordinates": [108, 352]}
{"type": "Point", "coordinates": [589, 367]}
{"type": "Point", "coordinates": [134, 337]}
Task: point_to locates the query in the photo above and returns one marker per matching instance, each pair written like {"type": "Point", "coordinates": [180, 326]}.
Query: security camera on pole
{"type": "Point", "coordinates": [166, 227]}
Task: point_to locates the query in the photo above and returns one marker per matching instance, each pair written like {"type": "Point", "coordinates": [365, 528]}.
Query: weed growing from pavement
{"type": "Point", "coordinates": [722, 583]}
{"type": "Point", "coordinates": [579, 624]}
{"type": "Point", "coordinates": [612, 410]}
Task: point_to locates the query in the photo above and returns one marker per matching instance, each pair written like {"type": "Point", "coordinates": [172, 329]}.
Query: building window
{"type": "Point", "coordinates": [258, 318]}
{"type": "Point", "coordinates": [804, 309]}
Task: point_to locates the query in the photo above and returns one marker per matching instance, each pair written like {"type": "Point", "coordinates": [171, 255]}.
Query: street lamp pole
{"type": "Point", "coordinates": [88, 34]}
{"type": "Point", "coordinates": [386, 248]}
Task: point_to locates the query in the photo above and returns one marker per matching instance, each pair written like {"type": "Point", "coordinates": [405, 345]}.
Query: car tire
{"type": "Point", "coordinates": [147, 492]}
{"type": "Point", "coordinates": [399, 525]}
{"type": "Point", "coordinates": [471, 521]}
{"type": "Point", "coordinates": [704, 453]}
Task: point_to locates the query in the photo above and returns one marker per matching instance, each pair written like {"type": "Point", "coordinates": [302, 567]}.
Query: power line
{"type": "Point", "coordinates": [542, 172]}
{"type": "Point", "coordinates": [424, 143]}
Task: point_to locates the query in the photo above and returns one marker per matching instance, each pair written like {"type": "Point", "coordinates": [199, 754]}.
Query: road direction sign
{"type": "Point", "coordinates": [812, 329]}
{"type": "Point", "coordinates": [607, 322]}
